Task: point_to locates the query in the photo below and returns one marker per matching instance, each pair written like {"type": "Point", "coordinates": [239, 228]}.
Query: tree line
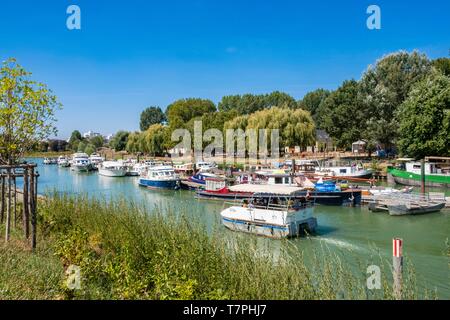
{"type": "Point", "coordinates": [401, 103]}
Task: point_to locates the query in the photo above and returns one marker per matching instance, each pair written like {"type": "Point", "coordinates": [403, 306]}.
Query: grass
{"type": "Point", "coordinates": [129, 251]}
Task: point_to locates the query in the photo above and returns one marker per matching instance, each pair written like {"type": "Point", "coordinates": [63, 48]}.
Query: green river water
{"type": "Point", "coordinates": [353, 231]}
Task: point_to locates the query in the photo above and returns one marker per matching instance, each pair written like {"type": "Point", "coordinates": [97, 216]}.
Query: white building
{"type": "Point", "coordinates": [91, 134]}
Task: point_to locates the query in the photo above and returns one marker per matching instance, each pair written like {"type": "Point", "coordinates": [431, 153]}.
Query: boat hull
{"type": "Point", "coordinates": [160, 184]}
{"type": "Point", "coordinates": [270, 223]}
{"type": "Point", "coordinates": [412, 179]}
{"type": "Point", "coordinates": [270, 230]}
{"type": "Point", "coordinates": [403, 209]}
{"type": "Point", "coordinates": [80, 168]}
{"type": "Point", "coordinates": [112, 173]}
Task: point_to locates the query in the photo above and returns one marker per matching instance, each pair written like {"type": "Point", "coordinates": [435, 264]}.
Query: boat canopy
{"type": "Point", "coordinates": [264, 188]}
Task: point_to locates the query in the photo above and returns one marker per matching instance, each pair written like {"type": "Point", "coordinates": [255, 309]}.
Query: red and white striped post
{"type": "Point", "coordinates": [397, 264]}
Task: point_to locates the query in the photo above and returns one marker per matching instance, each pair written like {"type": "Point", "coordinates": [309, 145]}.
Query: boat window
{"type": "Point", "coordinates": [416, 166]}
{"type": "Point", "coordinates": [286, 180]}
{"type": "Point", "coordinates": [278, 180]}
{"type": "Point", "coordinates": [342, 170]}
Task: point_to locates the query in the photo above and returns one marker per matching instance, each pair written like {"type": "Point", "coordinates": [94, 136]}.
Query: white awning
{"type": "Point", "coordinates": [265, 188]}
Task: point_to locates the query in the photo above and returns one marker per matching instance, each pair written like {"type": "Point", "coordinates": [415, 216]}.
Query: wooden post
{"type": "Point", "coordinates": [422, 175]}
{"type": "Point", "coordinates": [8, 207]}
{"type": "Point", "coordinates": [26, 211]}
{"type": "Point", "coordinates": [33, 208]}
{"type": "Point", "coordinates": [15, 198]}
{"type": "Point", "coordinates": [397, 264]}
{"type": "Point", "coordinates": [2, 198]}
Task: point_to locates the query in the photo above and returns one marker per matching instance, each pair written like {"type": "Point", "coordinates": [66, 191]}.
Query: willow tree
{"type": "Point", "coordinates": [295, 126]}
{"type": "Point", "coordinates": [154, 138]}
{"type": "Point", "coordinates": [27, 111]}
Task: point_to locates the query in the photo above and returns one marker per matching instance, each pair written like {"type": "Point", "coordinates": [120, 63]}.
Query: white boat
{"type": "Point", "coordinates": [273, 211]}
{"type": "Point", "coordinates": [205, 166]}
{"type": "Point", "coordinates": [80, 162]}
{"type": "Point", "coordinates": [96, 159]}
{"type": "Point", "coordinates": [50, 161]}
{"type": "Point", "coordinates": [160, 177]}
{"type": "Point", "coordinates": [112, 169]}
{"type": "Point", "coordinates": [63, 162]}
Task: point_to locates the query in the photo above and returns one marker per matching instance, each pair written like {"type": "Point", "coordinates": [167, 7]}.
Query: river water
{"type": "Point", "coordinates": [354, 231]}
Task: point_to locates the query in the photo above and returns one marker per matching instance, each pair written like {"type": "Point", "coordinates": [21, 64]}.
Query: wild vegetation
{"type": "Point", "coordinates": [129, 251]}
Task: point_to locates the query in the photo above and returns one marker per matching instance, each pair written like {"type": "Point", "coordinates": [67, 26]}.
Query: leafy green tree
{"type": "Point", "coordinates": [344, 115]}
{"type": "Point", "coordinates": [385, 86]}
{"type": "Point", "coordinates": [296, 127]}
{"type": "Point", "coordinates": [181, 111]}
{"type": "Point", "coordinates": [425, 118]}
{"type": "Point", "coordinates": [97, 141]}
{"type": "Point", "coordinates": [119, 141]}
{"type": "Point", "coordinates": [312, 101]}
{"type": "Point", "coordinates": [150, 116]}
{"type": "Point", "coordinates": [75, 139]}
{"type": "Point", "coordinates": [27, 111]}
{"type": "Point", "coordinates": [133, 145]}
{"type": "Point", "coordinates": [154, 139]}
{"type": "Point", "coordinates": [81, 146]}
{"type": "Point", "coordinates": [249, 103]}
{"type": "Point", "coordinates": [90, 149]}
{"type": "Point", "coordinates": [443, 65]}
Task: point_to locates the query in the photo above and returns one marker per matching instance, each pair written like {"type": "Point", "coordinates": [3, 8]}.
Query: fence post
{"type": "Point", "coordinates": [26, 208]}
{"type": "Point", "coordinates": [8, 207]}
{"type": "Point", "coordinates": [2, 200]}
{"type": "Point", "coordinates": [397, 264]}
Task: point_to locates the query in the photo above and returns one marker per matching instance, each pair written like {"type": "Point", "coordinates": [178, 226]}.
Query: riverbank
{"type": "Point", "coordinates": [129, 251]}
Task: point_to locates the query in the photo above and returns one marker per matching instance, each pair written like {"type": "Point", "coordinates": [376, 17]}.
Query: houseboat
{"type": "Point", "coordinates": [96, 160]}
{"type": "Point", "coordinates": [80, 163]}
{"type": "Point", "coordinates": [408, 172]}
{"type": "Point", "coordinates": [63, 162]}
{"type": "Point", "coordinates": [160, 177]}
{"type": "Point", "coordinates": [112, 169]}
{"type": "Point", "coordinates": [274, 211]}
{"type": "Point", "coordinates": [218, 188]}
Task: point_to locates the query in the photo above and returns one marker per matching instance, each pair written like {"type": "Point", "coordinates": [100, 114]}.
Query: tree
{"type": "Point", "coordinates": [27, 111]}
{"type": "Point", "coordinates": [296, 127]}
{"type": "Point", "coordinates": [312, 101]}
{"type": "Point", "coordinates": [75, 139]}
{"type": "Point", "coordinates": [181, 111]}
{"type": "Point", "coordinates": [97, 141]}
{"type": "Point", "coordinates": [150, 116]}
{"type": "Point", "coordinates": [385, 86]}
{"type": "Point", "coordinates": [90, 149]}
{"type": "Point", "coordinates": [425, 118]}
{"type": "Point", "coordinates": [154, 139]}
{"type": "Point", "coordinates": [343, 114]}
{"type": "Point", "coordinates": [81, 146]}
{"type": "Point", "coordinates": [133, 143]}
{"type": "Point", "coordinates": [119, 141]}
{"type": "Point", "coordinates": [249, 103]}
{"type": "Point", "coordinates": [443, 65]}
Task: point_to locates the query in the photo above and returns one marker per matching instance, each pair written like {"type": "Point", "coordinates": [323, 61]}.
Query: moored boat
{"type": "Point", "coordinates": [160, 177]}
{"type": "Point", "coordinates": [112, 169]}
{"type": "Point", "coordinates": [63, 162]}
{"type": "Point", "coordinates": [80, 162]}
{"type": "Point", "coordinates": [96, 160]}
{"type": "Point", "coordinates": [275, 212]}
{"type": "Point", "coordinates": [408, 172]}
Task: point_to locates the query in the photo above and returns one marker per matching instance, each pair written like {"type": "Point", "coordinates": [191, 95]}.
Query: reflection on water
{"type": "Point", "coordinates": [355, 230]}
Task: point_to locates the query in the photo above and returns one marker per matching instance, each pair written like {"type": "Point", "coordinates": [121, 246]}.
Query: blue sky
{"type": "Point", "coordinates": [132, 54]}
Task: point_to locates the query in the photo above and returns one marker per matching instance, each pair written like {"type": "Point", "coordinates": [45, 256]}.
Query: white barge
{"type": "Point", "coordinates": [273, 211]}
